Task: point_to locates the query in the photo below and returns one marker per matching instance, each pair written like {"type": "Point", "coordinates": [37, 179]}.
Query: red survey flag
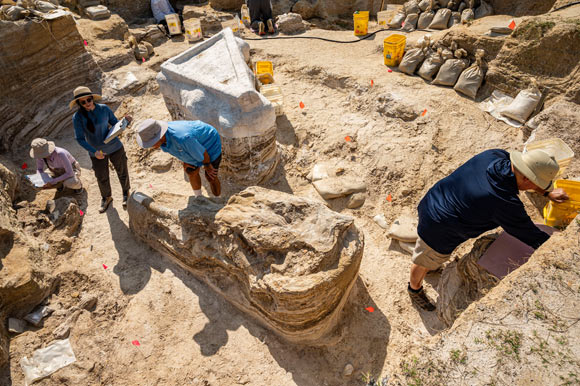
{"type": "Point", "coordinates": [24, 165]}
{"type": "Point", "coordinates": [370, 309]}
{"type": "Point", "coordinates": [424, 112]}
{"type": "Point", "coordinates": [81, 212]}
{"type": "Point", "coordinates": [85, 42]}
{"type": "Point", "coordinates": [512, 25]}
{"type": "Point", "coordinates": [389, 70]}
{"type": "Point", "coordinates": [372, 83]}
{"type": "Point", "coordinates": [389, 198]}
{"type": "Point", "coordinates": [347, 138]}
{"type": "Point", "coordinates": [301, 105]}
{"type": "Point", "coordinates": [136, 343]}
{"type": "Point", "coordinates": [104, 266]}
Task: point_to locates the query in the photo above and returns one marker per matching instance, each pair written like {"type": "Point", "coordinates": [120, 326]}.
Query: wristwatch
{"type": "Point", "coordinates": [546, 193]}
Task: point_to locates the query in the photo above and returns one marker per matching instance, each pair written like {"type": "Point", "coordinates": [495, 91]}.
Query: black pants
{"type": "Point", "coordinates": [101, 168]}
{"type": "Point", "coordinates": [260, 10]}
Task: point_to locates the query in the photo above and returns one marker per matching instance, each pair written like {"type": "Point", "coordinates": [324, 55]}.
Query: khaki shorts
{"type": "Point", "coordinates": [425, 256]}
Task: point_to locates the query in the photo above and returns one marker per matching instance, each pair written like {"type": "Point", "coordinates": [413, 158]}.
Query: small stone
{"type": "Point", "coordinates": [16, 325]}
{"type": "Point", "coordinates": [334, 187]}
{"type": "Point", "coordinates": [75, 294]}
{"type": "Point", "coordinates": [88, 302]}
{"type": "Point", "coordinates": [348, 370]}
{"type": "Point", "coordinates": [62, 331]}
{"type": "Point", "coordinates": [356, 200]}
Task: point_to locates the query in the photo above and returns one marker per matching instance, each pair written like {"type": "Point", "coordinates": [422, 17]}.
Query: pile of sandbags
{"type": "Point", "coordinates": [445, 66]}
{"type": "Point", "coordinates": [17, 10]}
{"type": "Point", "coordinates": [438, 14]}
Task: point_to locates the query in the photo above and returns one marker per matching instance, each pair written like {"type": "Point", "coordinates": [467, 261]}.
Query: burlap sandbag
{"type": "Point", "coordinates": [446, 54]}
{"type": "Point", "coordinates": [450, 71]}
{"type": "Point", "coordinates": [470, 80]}
{"type": "Point", "coordinates": [454, 19]}
{"type": "Point", "coordinates": [431, 65]}
{"type": "Point", "coordinates": [397, 20]}
{"type": "Point", "coordinates": [404, 228]}
{"type": "Point", "coordinates": [441, 18]}
{"type": "Point", "coordinates": [443, 3]}
{"type": "Point", "coordinates": [410, 22]}
{"type": "Point", "coordinates": [485, 9]}
{"type": "Point", "coordinates": [462, 6]}
{"type": "Point", "coordinates": [412, 59]}
{"type": "Point", "coordinates": [524, 104]}
{"type": "Point", "coordinates": [412, 6]}
{"type": "Point", "coordinates": [467, 16]}
{"type": "Point", "coordinates": [425, 19]}
{"type": "Point", "coordinates": [424, 4]}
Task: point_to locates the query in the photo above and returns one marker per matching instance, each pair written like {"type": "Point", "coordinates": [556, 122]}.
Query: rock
{"type": "Point", "coordinates": [98, 12]}
{"type": "Point", "coordinates": [381, 221]}
{"type": "Point", "coordinates": [356, 200]}
{"type": "Point", "coordinates": [307, 9]}
{"type": "Point", "coordinates": [334, 187]}
{"type": "Point", "coordinates": [130, 10]}
{"type": "Point", "coordinates": [225, 97]}
{"type": "Point", "coordinates": [63, 330]}
{"type": "Point", "coordinates": [66, 217]}
{"type": "Point", "coordinates": [287, 261]}
{"type": "Point", "coordinates": [88, 302]}
{"type": "Point", "coordinates": [393, 107]}
{"type": "Point", "coordinates": [404, 228]}
{"type": "Point", "coordinates": [230, 5]}
{"type": "Point", "coordinates": [35, 317]}
{"type": "Point", "coordinates": [407, 247]}
{"type": "Point", "coordinates": [17, 326]}
{"type": "Point", "coordinates": [290, 23]}
{"type": "Point", "coordinates": [348, 370]}
{"type": "Point", "coordinates": [464, 281]}
{"type": "Point", "coordinates": [30, 75]}
{"type": "Point", "coordinates": [160, 161]}
{"type": "Point", "coordinates": [211, 20]}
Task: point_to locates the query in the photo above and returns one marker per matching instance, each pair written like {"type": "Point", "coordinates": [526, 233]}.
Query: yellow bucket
{"type": "Point", "coordinates": [560, 215]}
{"type": "Point", "coordinates": [361, 23]}
{"type": "Point", "coordinates": [394, 48]}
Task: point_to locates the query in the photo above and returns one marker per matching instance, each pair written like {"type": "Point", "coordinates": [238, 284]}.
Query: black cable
{"type": "Point", "coordinates": [323, 39]}
{"type": "Point", "coordinates": [565, 6]}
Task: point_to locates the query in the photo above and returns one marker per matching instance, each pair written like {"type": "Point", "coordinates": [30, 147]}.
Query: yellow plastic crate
{"type": "Point", "coordinates": [264, 67]}
{"type": "Point", "coordinates": [361, 23]}
{"type": "Point", "coordinates": [393, 49]}
{"type": "Point", "coordinates": [556, 148]}
{"type": "Point", "coordinates": [274, 94]}
{"type": "Point", "coordinates": [560, 215]}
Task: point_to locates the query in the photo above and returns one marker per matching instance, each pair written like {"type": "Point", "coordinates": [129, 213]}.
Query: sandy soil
{"type": "Point", "coordinates": [188, 334]}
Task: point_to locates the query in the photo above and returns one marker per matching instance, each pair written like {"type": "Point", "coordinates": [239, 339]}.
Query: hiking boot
{"type": "Point", "coordinates": [105, 202]}
{"type": "Point", "coordinates": [270, 26]}
{"type": "Point", "coordinates": [261, 28]}
{"type": "Point", "coordinates": [420, 299]}
{"type": "Point", "coordinates": [125, 197]}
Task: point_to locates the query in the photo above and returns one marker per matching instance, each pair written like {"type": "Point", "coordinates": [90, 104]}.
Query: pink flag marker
{"type": "Point", "coordinates": [85, 43]}
{"type": "Point", "coordinates": [81, 212]}
{"type": "Point", "coordinates": [389, 70]}
{"type": "Point", "coordinates": [512, 25]}
{"type": "Point", "coordinates": [136, 343]}
{"type": "Point", "coordinates": [143, 60]}
{"type": "Point", "coordinates": [151, 186]}
{"type": "Point", "coordinates": [104, 266]}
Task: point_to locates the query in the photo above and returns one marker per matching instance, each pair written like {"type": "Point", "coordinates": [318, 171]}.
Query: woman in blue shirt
{"type": "Point", "coordinates": [92, 123]}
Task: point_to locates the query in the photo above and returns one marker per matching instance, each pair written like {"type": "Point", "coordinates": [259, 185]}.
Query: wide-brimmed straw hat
{"type": "Point", "coordinates": [150, 131]}
{"type": "Point", "coordinates": [81, 92]}
{"type": "Point", "coordinates": [537, 165]}
{"type": "Point", "coordinates": [41, 148]}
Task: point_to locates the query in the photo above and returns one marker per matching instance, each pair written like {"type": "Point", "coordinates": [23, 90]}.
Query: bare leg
{"type": "Point", "coordinates": [195, 179]}
{"type": "Point", "coordinates": [418, 273]}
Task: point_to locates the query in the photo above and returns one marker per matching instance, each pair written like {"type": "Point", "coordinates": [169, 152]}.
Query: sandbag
{"type": "Point", "coordinates": [453, 5]}
{"type": "Point", "coordinates": [450, 71]}
{"type": "Point", "coordinates": [524, 104]}
{"type": "Point", "coordinates": [485, 9]}
{"type": "Point", "coordinates": [467, 15]}
{"type": "Point", "coordinates": [454, 19]}
{"type": "Point", "coordinates": [470, 80]}
{"type": "Point", "coordinates": [404, 228]}
{"type": "Point", "coordinates": [443, 3]}
{"type": "Point", "coordinates": [412, 6]}
{"type": "Point", "coordinates": [425, 19]}
{"type": "Point", "coordinates": [462, 6]}
{"type": "Point", "coordinates": [412, 59]}
{"type": "Point", "coordinates": [410, 22]}
{"type": "Point", "coordinates": [397, 20]}
{"type": "Point", "coordinates": [44, 6]}
{"type": "Point", "coordinates": [441, 18]}
{"type": "Point", "coordinates": [424, 4]}
{"type": "Point", "coordinates": [446, 54]}
{"type": "Point", "coordinates": [431, 65]}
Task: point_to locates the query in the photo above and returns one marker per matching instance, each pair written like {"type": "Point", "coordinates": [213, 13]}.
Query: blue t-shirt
{"type": "Point", "coordinates": [188, 140]}
{"type": "Point", "coordinates": [479, 196]}
{"type": "Point", "coordinates": [103, 119]}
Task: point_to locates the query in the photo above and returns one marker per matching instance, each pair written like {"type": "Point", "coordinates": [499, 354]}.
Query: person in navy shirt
{"type": "Point", "coordinates": [92, 123]}
{"type": "Point", "coordinates": [194, 143]}
{"type": "Point", "coordinates": [479, 196]}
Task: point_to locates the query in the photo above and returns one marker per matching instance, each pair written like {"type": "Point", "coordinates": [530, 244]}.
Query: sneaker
{"type": "Point", "coordinates": [270, 26]}
{"type": "Point", "coordinates": [125, 197]}
{"type": "Point", "coordinates": [420, 299]}
{"type": "Point", "coordinates": [105, 202]}
{"type": "Point", "coordinates": [261, 28]}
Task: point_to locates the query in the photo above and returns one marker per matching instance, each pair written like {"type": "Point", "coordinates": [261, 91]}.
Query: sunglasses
{"type": "Point", "coordinates": [86, 101]}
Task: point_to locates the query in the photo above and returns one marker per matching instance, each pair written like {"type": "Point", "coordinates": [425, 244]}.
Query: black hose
{"type": "Point", "coordinates": [323, 39]}
{"type": "Point", "coordinates": [565, 6]}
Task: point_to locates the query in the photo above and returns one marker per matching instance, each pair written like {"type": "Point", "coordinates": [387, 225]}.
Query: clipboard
{"type": "Point", "coordinates": [39, 179]}
{"type": "Point", "coordinates": [116, 130]}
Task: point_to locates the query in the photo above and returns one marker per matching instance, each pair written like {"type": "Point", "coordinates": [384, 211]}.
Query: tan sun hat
{"type": "Point", "coordinates": [41, 148]}
{"type": "Point", "coordinates": [537, 165]}
{"type": "Point", "coordinates": [150, 131]}
{"type": "Point", "coordinates": [81, 92]}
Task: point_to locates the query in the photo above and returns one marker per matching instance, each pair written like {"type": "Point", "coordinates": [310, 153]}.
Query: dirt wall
{"type": "Point", "coordinates": [38, 78]}
{"type": "Point", "coordinates": [521, 8]}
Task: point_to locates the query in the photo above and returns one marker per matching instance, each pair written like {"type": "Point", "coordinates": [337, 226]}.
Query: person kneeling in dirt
{"type": "Point", "coordinates": [260, 14]}
{"type": "Point", "coordinates": [64, 168]}
{"type": "Point", "coordinates": [479, 196]}
{"type": "Point", "coordinates": [194, 143]}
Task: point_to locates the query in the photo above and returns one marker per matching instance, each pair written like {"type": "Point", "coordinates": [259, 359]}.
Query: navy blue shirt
{"type": "Point", "coordinates": [479, 196]}
{"type": "Point", "coordinates": [103, 119]}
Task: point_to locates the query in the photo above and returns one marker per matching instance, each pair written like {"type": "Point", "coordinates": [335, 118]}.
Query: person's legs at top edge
{"type": "Point", "coordinates": [257, 23]}
{"type": "Point", "coordinates": [267, 15]}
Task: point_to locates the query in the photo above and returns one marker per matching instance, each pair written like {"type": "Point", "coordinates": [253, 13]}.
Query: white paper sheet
{"type": "Point", "coordinates": [39, 179]}
{"type": "Point", "coordinates": [46, 361]}
{"type": "Point", "coordinates": [116, 130]}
